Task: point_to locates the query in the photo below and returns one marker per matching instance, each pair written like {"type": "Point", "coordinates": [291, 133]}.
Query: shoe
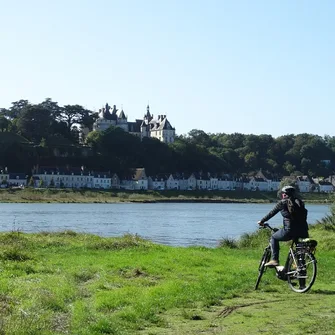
{"type": "Point", "coordinates": [272, 263]}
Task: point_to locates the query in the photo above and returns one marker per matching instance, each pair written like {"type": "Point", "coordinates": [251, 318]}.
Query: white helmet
{"type": "Point", "coordinates": [289, 190]}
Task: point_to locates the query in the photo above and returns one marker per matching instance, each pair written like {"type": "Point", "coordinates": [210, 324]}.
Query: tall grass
{"type": "Point", "coordinates": [329, 219]}
{"type": "Point", "coordinates": [56, 283]}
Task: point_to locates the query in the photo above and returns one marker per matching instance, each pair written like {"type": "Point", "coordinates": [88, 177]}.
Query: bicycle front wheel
{"type": "Point", "coordinates": [261, 268]}
{"type": "Point", "coordinates": [301, 272]}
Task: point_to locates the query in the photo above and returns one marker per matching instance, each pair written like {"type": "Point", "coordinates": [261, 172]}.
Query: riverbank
{"type": "Point", "coordinates": [69, 283]}
{"type": "Point", "coordinates": [29, 195]}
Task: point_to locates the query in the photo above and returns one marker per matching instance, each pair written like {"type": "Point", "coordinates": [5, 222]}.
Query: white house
{"type": "Point", "coordinates": [187, 182]}
{"type": "Point", "coordinates": [191, 182]}
{"type": "Point", "coordinates": [326, 186]}
{"type": "Point", "coordinates": [203, 182]}
{"type": "Point", "coordinates": [263, 182]}
{"type": "Point", "coordinates": [140, 180]}
{"type": "Point", "coordinates": [225, 183]}
{"type": "Point", "coordinates": [323, 186]}
{"type": "Point", "coordinates": [274, 185]}
{"type": "Point", "coordinates": [238, 184]}
{"type": "Point", "coordinates": [257, 184]}
{"type": "Point", "coordinates": [172, 182]}
{"type": "Point", "coordinates": [102, 180]}
{"type": "Point", "coordinates": [67, 178]}
{"type": "Point", "coordinates": [115, 181]}
{"type": "Point", "coordinates": [17, 179]}
{"type": "Point", "coordinates": [304, 183]}
{"type": "Point", "coordinates": [214, 183]}
{"type": "Point", "coordinates": [157, 182]}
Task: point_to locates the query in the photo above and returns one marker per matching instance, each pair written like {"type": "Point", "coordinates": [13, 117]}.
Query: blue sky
{"type": "Point", "coordinates": [254, 67]}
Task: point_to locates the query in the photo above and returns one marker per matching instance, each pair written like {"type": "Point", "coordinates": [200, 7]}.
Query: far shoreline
{"type": "Point", "coordinates": [51, 195]}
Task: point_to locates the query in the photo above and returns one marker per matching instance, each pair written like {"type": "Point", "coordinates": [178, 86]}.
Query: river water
{"type": "Point", "coordinates": [176, 224]}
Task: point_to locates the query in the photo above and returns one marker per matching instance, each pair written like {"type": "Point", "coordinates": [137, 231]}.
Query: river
{"type": "Point", "coordinates": [176, 224]}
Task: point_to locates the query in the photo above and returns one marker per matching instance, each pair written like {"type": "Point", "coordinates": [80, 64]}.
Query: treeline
{"type": "Point", "coordinates": [53, 135]}
{"type": "Point", "coordinates": [46, 120]}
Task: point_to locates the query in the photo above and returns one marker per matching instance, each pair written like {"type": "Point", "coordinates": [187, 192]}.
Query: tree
{"type": "Point", "coordinates": [231, 141]}
{"type": "Point", "coordinates": [94, 139]}
{"type": "Point", "coordinates": [198, 137]}
{"type": "Point", "coordinates": [34, 123]}
{"type": "Point", "coordinates": [60, 129]}
{"type": "Point", "coordinates": [156, 156]}
{"type": "Point", "coordinates": [88, 118]}
{"type": "Point", "coordinates": [250, 160]}
{"type": "Point", "coordinates": [72, 114]}
{"type": "Point", "coordinates": [305, 165]}
{"type": "Point", "coordinates": [54, 110]}
{"type": "Point", "coordinates": [17, 107]}
{"type": "Point", "coordinates": [43, 143]}
{"type": "Point", "coordinates": [31, 182]}
{"type": "Point", "coordinates": [4, 123]}
{"type": "Point", "coordinates": [288, 167]}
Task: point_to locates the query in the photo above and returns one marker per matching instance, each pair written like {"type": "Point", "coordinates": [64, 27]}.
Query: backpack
{"type": "Point", "coordinates": [297, 210]}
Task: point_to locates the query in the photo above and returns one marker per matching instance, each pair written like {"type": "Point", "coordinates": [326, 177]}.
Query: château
{"type": "Point", "coordinates": [149, 126]}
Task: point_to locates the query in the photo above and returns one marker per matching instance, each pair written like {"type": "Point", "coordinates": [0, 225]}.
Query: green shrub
{"type": "Point", "coordinates": [14, 254]}
{"type": "Point", "coordinates": [228, 243]}
{"type": "Point", "coordinates": [127, 241]}
{"type": "Point", "coordinates": [255, 240]}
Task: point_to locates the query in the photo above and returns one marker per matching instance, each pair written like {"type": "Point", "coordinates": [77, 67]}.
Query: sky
{"type": "Point", "coordinates": [252, 67]}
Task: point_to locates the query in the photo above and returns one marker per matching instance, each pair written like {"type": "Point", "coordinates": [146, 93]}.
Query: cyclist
{"type": "Point", "coordinates": [293, 228]}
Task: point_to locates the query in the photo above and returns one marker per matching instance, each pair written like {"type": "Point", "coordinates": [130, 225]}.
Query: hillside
{"type": "Point", "coordinates": [9, 138]}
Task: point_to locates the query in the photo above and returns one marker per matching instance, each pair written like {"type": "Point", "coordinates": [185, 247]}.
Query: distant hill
{"type": "Point", "coordinates": [8, 137]}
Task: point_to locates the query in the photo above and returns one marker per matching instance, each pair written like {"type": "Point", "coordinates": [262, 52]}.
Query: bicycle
{"type": "Point", "coordinates": [300, 267]}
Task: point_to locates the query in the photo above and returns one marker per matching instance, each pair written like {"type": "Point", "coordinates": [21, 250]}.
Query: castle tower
{"type": "Point", "coordinates": [122, 121]}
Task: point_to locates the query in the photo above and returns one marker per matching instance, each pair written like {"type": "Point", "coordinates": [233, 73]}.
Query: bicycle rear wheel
{"type": "Point", "coordinates": [261, 268]}
{"type": "Point", "coordinates": [301, 272]}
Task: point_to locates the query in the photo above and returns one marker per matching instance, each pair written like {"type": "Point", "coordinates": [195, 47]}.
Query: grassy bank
{"type": "Point", "coordinates": [68, 283]}
{"type": "Point", "coordinates": [29, 195]}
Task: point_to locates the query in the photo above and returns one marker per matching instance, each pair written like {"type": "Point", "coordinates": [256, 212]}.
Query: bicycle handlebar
{"type": "Point", "coordinates": [267, 226]}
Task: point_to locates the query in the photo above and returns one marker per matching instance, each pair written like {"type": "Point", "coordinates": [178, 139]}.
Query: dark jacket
{"type": "Point", "coordinates": [296, 229]}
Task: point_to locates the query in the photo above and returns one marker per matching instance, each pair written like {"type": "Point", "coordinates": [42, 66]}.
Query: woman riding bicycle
{"type": "Point", "coordinates": [293, 227]}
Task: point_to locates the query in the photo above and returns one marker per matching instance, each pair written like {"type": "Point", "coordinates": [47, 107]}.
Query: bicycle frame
{"type": "Point", "coordinates": [282, 271]}
{"type": "Point", "coordinates": [299, 261]}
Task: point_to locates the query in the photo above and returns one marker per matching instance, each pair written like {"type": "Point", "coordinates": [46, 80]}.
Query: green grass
{"type": "Point", "coordinates": [70, 283]}
{"type": "Point", "coordinates": [30, 195]}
